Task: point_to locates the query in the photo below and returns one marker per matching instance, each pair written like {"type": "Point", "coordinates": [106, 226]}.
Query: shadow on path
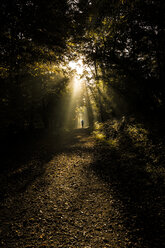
{"type": "Point", "coordinates": [78, 193]}
{"type": "Point", "coordinates": [24, 159]}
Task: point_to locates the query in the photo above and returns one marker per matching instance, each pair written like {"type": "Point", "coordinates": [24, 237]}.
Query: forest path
{"type": "Point", "coordinates": [61, 202]}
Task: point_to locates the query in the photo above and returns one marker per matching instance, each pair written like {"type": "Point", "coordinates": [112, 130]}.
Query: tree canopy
{"type": "Point", "coordinates": [122, 42]}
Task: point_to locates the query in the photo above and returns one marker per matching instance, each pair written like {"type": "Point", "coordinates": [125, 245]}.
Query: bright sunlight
{"type": "Point", "coordinates": [77, 66]}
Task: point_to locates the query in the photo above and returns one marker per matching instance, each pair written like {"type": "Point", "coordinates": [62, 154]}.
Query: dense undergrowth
{"type": "Point", "coordinates": [131, 157]}
{"type": "Point", "coordinates": [135, 143]}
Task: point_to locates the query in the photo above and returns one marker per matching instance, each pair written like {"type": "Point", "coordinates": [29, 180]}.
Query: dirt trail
{"type": "Point", "coordinates": [65, 206]}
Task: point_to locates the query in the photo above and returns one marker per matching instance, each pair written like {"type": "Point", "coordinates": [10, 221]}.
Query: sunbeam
{"type": "Point", "coordinates": [77, 85]}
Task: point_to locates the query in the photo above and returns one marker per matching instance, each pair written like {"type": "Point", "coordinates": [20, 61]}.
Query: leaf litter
{"type": "Point", "coordinates": [69, 204]}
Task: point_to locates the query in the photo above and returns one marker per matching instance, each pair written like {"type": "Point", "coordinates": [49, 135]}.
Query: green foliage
{"type": "Point", "coordinates": [33, 35]}
{"type": "Point", "coordinates": [123, 41]}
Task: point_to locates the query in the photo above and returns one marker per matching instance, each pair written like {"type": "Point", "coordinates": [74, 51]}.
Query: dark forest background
{"type": "Point", "coordinates": [123, 41]}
